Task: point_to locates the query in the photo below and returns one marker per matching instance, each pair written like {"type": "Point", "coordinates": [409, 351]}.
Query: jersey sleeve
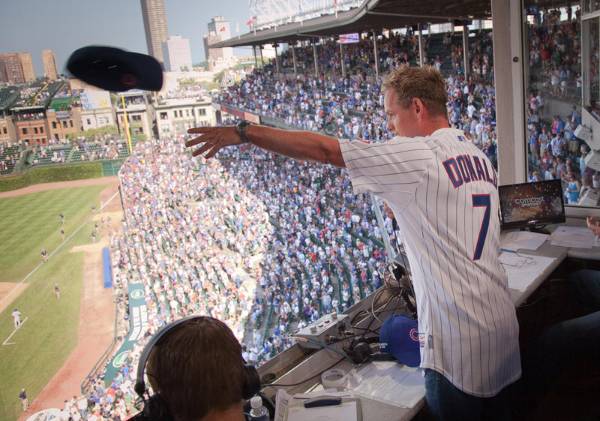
{"type": "Point", "coordinates": [397, 166]}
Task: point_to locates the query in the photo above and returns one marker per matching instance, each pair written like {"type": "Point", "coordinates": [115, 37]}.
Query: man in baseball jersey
{"type": "Point", "coordinates": [443, 193]}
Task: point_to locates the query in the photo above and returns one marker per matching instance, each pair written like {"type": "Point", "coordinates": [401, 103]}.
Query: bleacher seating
{"type": "Point", "coordinates": [9, 156]}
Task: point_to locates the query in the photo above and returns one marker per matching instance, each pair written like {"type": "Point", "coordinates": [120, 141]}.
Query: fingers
{"type": "Point", "coordinates": [196, 140]}
{"type": "Point", "coordinates": [213, 139]}
{"type": "Point", "coordinates": [203, 149]}
{"type": "Point", "coordinates": [197, 130]}
{"type": "Point", "coordinates": [212, 152]}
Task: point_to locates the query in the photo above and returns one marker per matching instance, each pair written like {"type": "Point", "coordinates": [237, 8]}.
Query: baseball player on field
{"type": "Point", "coordinates": [443, 193]}
{"type": "Point", "coordinates": [16, 315]}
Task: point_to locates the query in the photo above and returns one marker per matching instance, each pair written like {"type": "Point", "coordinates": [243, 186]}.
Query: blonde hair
{"type": "Point", "coordinates": [425, 83]}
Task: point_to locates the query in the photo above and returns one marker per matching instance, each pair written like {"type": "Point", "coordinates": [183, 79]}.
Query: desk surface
{"type": "Point", "coordinates": [578, 253]}
{"type": "Point", "coordinates": [374, 410]}
{"type": "Point", "coordinates": [557, 254]}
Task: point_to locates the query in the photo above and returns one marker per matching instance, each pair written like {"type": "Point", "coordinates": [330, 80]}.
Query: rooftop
{"type": "Point", "coordinates": [8, 96]}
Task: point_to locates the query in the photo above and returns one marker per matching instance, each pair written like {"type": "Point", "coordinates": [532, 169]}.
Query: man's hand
{"type": "Point", "coordinates": [214, 139]}
{"type": "Point", "coordinates": [594, 225]}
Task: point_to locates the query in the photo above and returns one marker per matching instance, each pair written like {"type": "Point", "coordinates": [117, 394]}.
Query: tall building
{"type": "Point", "coordinates": [177, 54]}
{"type": "Point", "coordinates": [16, 68]}
{"type": "Point", "coordinates": [3, 72]}
{"type": "Point", "coordinates": [11, 68]}
{"type": "Point", "coordinates": [27, 65]}
{"type": "Point", "coordinates": [155, 25]}
{"type": "Point", "coordinates": [218, 30]}
{"type": "Point", "coordinates": [49, 62]}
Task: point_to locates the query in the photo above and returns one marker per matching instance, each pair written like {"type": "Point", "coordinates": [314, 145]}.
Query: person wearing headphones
{"type": "Point", "coordinates": [197, 373]}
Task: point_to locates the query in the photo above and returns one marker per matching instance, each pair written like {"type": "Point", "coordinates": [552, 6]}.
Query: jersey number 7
{"type": "Point", "coordinates": [480, 200]}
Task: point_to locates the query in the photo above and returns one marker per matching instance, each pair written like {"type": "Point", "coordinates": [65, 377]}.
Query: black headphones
{"type": "Point", "coordinates": [155, 409]}
{"type": "Point", "coordinates": [367, 349]}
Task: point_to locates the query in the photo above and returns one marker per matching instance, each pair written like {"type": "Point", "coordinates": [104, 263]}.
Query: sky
{"type": "Point", "coordinates": [65, 25]}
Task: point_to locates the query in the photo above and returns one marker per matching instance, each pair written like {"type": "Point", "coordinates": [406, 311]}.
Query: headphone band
{"type": "Point", "coordinates": [140, 384]}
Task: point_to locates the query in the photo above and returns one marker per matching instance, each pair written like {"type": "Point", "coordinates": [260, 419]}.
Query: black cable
{"type": "Point", "coordinates": [273, 384]}
{"type": "Point", "coordinates": [328, 347]}
{"type": "Point", "coordinates": [380, 310]}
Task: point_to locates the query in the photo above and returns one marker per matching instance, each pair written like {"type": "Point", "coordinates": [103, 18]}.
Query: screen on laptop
{"type": "Point", "coordinates": [530, 204]}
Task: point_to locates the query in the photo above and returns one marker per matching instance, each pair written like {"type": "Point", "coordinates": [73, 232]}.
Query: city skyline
{"type": "Point", "coordinates": [154, 15]}
{"type": "Point", "coordinates": [70, 24]}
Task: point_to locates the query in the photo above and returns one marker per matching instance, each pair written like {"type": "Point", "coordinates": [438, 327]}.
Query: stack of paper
{"type": "Point", "coordinates": [391, 383]}
{"type": "Point", "coordinates": [346, 411]}
{"type": "Point", "coordinates": [526, 240]}
{"type": "Point", "coordinates": [573, 237]}
{"type": "Point", "coordinates": [522, 270]}
{"type": "Point", "coordinates": [291, 408]}
{"type": "Point", "coordinates": [514, 260]}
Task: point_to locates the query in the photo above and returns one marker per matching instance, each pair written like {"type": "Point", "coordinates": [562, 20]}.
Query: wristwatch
{"type": "Point", "coordinates": [241, 129]}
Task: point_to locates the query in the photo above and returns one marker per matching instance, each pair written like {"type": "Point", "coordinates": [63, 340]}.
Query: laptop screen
{"type": "Point", "coordinates": [531, 204]}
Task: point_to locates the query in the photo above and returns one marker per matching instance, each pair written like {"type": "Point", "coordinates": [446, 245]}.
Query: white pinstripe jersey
{"type": "Point", "coordinates": [443, 193]}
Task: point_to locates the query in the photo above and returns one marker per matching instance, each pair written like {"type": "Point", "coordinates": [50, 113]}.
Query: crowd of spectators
{"type": "Point", "coordinates": [103, 147]}
{"type": "Point", "coordinates": [9, 155]}
{"type": "Point", "coordinates": [352, 106]}
{"type": "Point", "coordinates": [245, 238]}
{"type": "Point", "coordinates": [555, 54]}
{"type": "Point", "coordinates": [553, 150]}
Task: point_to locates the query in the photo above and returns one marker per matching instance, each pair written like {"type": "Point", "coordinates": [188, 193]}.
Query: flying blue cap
{"type": "Point", "coordinates": [401, 334]}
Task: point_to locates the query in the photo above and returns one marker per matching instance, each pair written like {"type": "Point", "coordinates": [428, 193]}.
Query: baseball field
{"type": "Point", "coordinates": [32, 354]}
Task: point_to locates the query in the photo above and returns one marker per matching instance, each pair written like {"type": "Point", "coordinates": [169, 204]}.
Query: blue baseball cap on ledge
{"type": "Point", "coordinates": [115, 70]}
{"type": "Point", "coordinates": [401, 334]}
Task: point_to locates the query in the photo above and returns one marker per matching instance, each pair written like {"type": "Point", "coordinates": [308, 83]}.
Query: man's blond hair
{"type": "Point", "coordinates": [425, 83]}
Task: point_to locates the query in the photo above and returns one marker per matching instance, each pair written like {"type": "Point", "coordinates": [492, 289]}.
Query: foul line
{"type": "Point", "coordinates": [13, 332]}
{"type": "Point", "coordinates": [103, 205]}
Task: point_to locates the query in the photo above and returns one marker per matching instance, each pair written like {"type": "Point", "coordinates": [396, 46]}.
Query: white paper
{"type": "Point", "coordinates": [323, 393]}
{"type": "Point", "coordinates": [513, 259]}
{"type": "Point", "coordinates": [282, 401]}
{"type": "Point", "coordinates": [391, 383]}
{"type": "Point", "coordinates": [573, 237]}
{"type": "Point", "coordinates": [523, 269]}
{"type": "Point", "coordinates": [525, 240]}
{"type": "Point", "coordinates": [346, 411]}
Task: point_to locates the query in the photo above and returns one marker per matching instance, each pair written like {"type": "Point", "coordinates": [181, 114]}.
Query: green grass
{"type": "Point", "coordinates": [29, 223]}
{"type": "Point", "coordinates": [49, 173]}
{"type": "Point", "coordinates": [50, 334]}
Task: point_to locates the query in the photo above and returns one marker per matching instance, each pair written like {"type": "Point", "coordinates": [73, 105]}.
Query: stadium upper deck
{"type": "Point", "coordinates": [371, 15]}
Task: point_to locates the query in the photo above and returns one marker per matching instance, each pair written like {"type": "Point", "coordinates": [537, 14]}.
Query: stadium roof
{"type": "Point", "coordinates": [372, 14]}
{"type": "Point", "coordinates": [8, 96]}
{"type": "Point", "coordinates": [61, 104]}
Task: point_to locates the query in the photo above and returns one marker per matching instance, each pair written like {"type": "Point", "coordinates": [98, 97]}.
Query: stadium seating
{"type": "Point", "coordinates": [9, 156]}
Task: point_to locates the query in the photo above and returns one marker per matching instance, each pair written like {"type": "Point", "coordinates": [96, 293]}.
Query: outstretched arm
{"type": "Point", "coordinates": [302, 145]}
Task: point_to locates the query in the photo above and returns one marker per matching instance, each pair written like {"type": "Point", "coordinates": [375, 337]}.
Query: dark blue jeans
{"type": "Point", "coordinates": [586, 284]}
{"type": "Point", "coordinates": [447, 402]}
{"type": "Point", "coordinates": [564, 342]}
{"type": "Point", "coordinates": [558, 346]}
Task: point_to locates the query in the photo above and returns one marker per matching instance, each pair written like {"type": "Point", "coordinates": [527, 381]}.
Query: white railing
{"type": "Point", "coordinates": [269, 13]}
